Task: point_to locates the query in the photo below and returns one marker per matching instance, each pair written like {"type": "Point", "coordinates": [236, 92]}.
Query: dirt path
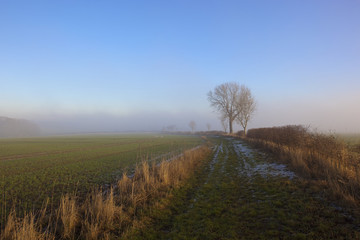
{"type": "Point", "coordinates": [240, 194]}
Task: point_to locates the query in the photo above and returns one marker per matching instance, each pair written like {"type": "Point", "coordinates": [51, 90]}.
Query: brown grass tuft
{"type": "Point", "coordinates": [10, 226]}
{"type": "Point", "coordinates": [25, 228]}
{"type": "Point", "coordinates": [69, 214]}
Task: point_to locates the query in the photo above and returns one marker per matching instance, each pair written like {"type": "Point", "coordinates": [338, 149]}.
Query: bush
{"type": "Point", "coordinates": [321, 157]}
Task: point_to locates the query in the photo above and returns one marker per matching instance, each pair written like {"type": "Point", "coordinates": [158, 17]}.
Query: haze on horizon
{"type": "Point", "coordinates": [90, 66]}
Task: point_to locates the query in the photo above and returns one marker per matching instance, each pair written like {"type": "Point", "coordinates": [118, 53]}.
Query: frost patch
{"type": "Point", "coordinates": [239, 148]}
{"type": "Point", "coordinates": [273, 169]}
{"type": "Point", "coordinates": [250, 168]}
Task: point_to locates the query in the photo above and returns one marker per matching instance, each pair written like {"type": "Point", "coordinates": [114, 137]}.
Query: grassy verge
{"type": "Point", "coordinates": [233, 198]}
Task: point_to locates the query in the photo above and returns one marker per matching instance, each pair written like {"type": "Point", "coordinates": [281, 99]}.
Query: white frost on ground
{"type": "Point", "coordinates": [240, 148]}
{"type": "Point", "coordinates": [273, 169]}
{"type": "Point", "coordinates": [250, 167]}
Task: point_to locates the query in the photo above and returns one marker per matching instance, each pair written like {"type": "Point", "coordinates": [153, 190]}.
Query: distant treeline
{"type": "Point", "coordinates": [14, 128]}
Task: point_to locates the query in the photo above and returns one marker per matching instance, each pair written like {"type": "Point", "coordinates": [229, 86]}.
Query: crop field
{"type": "Point", "coordinates": [351, 139]}
{"type": "Point", "coordinates": [35, 170]}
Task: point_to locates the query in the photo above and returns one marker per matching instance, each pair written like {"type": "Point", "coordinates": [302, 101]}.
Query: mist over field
{"type": "Point", "coordinates": [340, 118]}
{"type": "Point", "coordinates": [11, 128]}
{"type": "Point", "coordinates": [139, 122]}
{"type": "Point", "coordinates": [326, 112]}
{"type": "Point", "coordinates": [329, 112]}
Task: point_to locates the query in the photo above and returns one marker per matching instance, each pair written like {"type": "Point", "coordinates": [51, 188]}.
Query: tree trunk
{"type": "Point", "coordinates": [245, 131]}
{"type": "Point", "coordinates": [230, 125]}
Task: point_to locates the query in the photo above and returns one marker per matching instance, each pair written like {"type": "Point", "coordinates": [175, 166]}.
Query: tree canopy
{"type": "Point", "coordinates": [233, 102]}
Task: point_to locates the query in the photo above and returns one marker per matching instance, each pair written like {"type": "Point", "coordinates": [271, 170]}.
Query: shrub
{"type": "Point", "coordinates": [321, 157]}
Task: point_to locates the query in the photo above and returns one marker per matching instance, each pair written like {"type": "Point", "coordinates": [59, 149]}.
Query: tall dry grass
{"type": "Point", "coordinates": [69, 215]}
{"type": "Point", "coordinates": [322, 158]}
{"type": "Point", "coordinates": [106, 213]}
{"type": "Point", "coordinates": [25, 228]}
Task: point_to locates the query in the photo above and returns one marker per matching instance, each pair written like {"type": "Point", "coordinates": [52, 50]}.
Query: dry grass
{"type": "Point", "coordinates": [319, 157]}
{"type": "Point", "coordinates": [110, 212]}
{"type": "Point", "coordinates": [69, 215]}
{"type": "Point", "coordinates": [25, 228]}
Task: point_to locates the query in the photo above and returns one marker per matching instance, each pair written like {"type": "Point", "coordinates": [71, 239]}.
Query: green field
{"type": "Point", "coordinates": [33, 170]}
{"type": "Point", "coordinates": [351, 138]}
{"type": "Point", "coordinates": [353, 142]}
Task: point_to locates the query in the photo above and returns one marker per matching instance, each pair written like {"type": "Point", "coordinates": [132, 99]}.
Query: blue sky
{"type": "Point", "coordinates": [117, 61]}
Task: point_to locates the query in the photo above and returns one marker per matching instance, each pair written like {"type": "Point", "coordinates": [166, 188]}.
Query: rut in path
{"type": "Point", "coordinates": [240, 194]}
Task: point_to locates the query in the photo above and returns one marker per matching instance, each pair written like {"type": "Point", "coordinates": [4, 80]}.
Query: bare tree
{"type": "Point", "coordinates": [208, 125]}
{"type": "Point", "coordinates": [224, 99]}
{"type": "Point", "coordinates": [192, 125]}
{"type": "Point", "coordinates": [246, 106]}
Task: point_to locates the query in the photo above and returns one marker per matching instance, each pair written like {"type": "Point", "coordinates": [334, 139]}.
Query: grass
{"type": "Point", "coordinates": [351, 139]}
{"type": "Point", "coordinates": [36, 170]}
{"type": "Point", "coordinates": [111, 213]}
{"type": "Point", "coordinates": [353, 143]}
{"type": "Point", "coordinates": [236, 192]}
{"type": "Point", "coordinates": [230, 198]}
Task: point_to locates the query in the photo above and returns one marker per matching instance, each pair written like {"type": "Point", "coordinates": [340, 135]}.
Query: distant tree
{"type": "Point", "coordinates": [224, 99]}
{"type": "Point", "coordinates": [192, 125]}
{"type": "Point", "coordinates": [208, 125]}
{"type": "Point", "coordinates": [246, 106]}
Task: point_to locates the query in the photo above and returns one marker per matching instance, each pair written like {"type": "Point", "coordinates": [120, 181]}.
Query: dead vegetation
{"type": "Point", "coordinates": [324, 159]}
{"type": "Point", "coordinates": [105, 213]}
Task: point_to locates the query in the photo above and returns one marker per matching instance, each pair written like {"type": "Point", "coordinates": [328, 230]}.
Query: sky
{"type": "Point", "coordinates": [144, 65]}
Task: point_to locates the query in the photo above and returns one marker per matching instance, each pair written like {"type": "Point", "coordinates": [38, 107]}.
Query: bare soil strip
{"type": "Point", "coordinates": [242, 193]}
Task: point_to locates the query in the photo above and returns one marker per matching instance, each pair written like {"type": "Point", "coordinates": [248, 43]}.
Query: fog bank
{"type": "Point", "coordinates": [16, 128]}
{"type": "Point", "coordinates": [136, 122]}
